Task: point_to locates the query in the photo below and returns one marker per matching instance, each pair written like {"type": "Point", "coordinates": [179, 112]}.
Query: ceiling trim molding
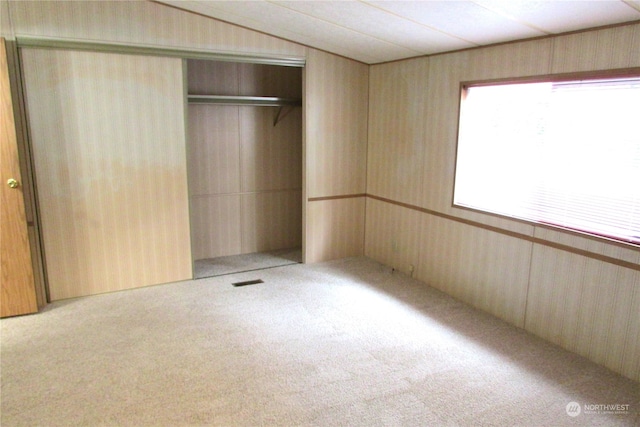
{"type": "Point", "coordinates": [135, 49]}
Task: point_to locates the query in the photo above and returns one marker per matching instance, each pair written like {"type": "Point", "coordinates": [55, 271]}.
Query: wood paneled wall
{"type": "Point", "coordinates": [534, 277]}
{"type": "Point", "coordinates": [587, 306]}
{"type": "Point", "coordinates": [398, 96]}
{"type": "Point", "coordinates": [337, 138]}
{"type": "Point", "coordinates": [336, 150]}
{"type": "Point", "coordinates": [338, 230]}
{"type": "Point", "coordinates": [6, 30]}
{"type": "Point", "coordinates": [245, 173]}
{"type": "Point", "coordinates": [393, 235]}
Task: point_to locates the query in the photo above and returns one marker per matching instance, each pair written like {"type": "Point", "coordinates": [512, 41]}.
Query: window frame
{"type": "Point", "coordinates": [632, 72]}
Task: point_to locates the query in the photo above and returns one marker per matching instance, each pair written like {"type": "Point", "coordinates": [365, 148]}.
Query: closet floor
{"type": "Point", "coordinates": [246, 262]}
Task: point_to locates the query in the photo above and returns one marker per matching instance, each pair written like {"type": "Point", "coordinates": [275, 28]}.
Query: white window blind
{"type": "Point", "coordinates": [559, 153]}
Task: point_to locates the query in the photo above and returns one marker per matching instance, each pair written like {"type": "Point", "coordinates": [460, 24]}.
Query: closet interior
{"type": "Point", "coordinates": [244, 144]}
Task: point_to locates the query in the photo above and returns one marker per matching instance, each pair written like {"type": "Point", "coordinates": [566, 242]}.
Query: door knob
{"type": "Point", "coordinates": [12, 183]}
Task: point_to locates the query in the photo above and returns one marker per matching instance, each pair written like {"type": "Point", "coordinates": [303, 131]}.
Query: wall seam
{"type": "Point", "coordinates": [240, 170]}
{"type": "Point", "coordinates": [526, 298]}
{"type": "Point", "coordinates": [422, 225]}
{"type": "Point", "coordinates": [366, 163]}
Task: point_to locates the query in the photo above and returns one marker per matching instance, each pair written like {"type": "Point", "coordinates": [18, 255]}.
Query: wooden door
{"type": "Point", "coordinates": [108, 140]}
{"type": "Point", "coordinates": [18, 295]}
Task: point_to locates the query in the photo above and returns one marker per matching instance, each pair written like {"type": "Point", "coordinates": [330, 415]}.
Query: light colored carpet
{"type": "Point", "coordinates": [219, 266]}
{"type": "Point", "coordinates": [334, 344]}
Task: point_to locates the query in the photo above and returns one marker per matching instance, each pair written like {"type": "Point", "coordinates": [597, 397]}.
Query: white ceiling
{"type": "Point", "coordinates": [380, 31]}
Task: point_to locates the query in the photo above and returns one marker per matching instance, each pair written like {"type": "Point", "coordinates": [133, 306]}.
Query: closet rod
{"type": "Point", "coordinates": [267, 101]}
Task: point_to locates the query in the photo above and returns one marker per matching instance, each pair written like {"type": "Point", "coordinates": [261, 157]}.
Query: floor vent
{"type": "Point", "coordinates": [247, 283]}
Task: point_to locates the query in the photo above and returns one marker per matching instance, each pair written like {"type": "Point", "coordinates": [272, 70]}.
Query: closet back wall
{"type": "Point", "coordinates": [245, 174]}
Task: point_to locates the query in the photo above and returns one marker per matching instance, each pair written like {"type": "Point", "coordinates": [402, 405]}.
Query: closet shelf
{"type": "Point", "coordinates": [266, 101]}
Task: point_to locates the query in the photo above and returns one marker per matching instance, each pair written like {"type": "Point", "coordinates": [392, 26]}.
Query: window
{"type": "Point", "coordinates": [561, 153]}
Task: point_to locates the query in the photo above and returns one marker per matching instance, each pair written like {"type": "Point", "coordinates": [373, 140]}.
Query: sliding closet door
{"type": "Point", "coordinates": [108, 140]}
